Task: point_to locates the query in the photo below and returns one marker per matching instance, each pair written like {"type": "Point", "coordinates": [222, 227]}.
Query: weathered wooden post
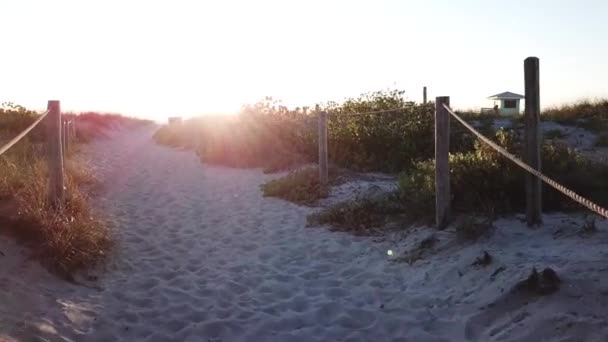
{"type": "Point", "coordinates": [55, 153]}
{"type": "Point", "coordinates": [533, 140]}
{"type": "Point", "coordinates": [442, 162]}
{"type": "Point", "coordinates": [323, 171]}
{"type": "Point", "coordinates": [424, 95]}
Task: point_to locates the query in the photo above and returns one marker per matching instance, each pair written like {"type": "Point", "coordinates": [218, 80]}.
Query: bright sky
{"type": "Point", "coordinates": [162, 58]}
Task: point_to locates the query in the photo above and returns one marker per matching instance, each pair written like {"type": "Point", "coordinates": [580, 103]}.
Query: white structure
{"type": "Point", "coordinates": [507, 103]}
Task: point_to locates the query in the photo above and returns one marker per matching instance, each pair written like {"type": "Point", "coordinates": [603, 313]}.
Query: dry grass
{"type": "Point", "coordinates": [67, 239]}
{"type": "Point", "coordinates": [360, 216]}
{"type": "Point", "coordinates": [591, 115]}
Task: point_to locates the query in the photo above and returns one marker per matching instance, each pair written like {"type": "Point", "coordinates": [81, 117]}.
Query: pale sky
{"type": "Point", "coordinates": [163, 58]}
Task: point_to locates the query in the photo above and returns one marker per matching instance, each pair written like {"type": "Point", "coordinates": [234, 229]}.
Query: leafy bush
{"type": "Point", "coordinates": [483, 180]}
{"type": "Point", "coordinates": [269, 135]}
{"type": "Point", "coordinates": [301, 186]}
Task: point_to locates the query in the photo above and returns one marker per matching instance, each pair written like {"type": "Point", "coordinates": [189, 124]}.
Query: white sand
{"type": "Point", "coordinates": [202, 256]}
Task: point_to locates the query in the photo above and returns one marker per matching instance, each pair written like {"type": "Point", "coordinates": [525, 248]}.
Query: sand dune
{"type": "Point", "coordinates": [202, 256]}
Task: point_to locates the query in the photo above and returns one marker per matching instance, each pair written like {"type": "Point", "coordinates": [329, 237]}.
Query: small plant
{"type": "Point", "coordinates": [602, 140]}
{"type": "Point", "coordinates": [301, 186]}
{"type": "Point", "coordinates": [482, 261]}
{"type": "Point", "coordinates": [361, 216]}
{"type": "Point", "coordinates": [589, 227]}
{"type": "Point", "coordinates": [417, 253]}
{"type": "Point", "coordinates": [555, 134]}
{"type": "Point", "coordinates": [484, 182]}
{"type": "Point", "coordinates": [473, 228]}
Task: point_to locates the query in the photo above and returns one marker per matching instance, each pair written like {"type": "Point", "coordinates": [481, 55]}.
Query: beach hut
{"type": "Point", "coordinates": [507, 103]}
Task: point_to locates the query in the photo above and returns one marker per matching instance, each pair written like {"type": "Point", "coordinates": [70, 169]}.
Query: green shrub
{"type": "Point", "coordinates": [301, 186]}
{"type": "Point", "coordinates": [361, 216]}
{"type": "Point", "coordinates": [271, 136]}
{"type": "Point", "coordinates": [484, 181]}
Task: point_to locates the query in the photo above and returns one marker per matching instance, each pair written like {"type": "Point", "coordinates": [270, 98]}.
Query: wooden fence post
{"type": "Point", "coordinates": [442, 162]}
{"type": "Point", "coordinates": [323, 171]}
{"type": "Point", "coordinates": [424, 95]}
{"type": "Point", "coordinates": [533, 140]}
{"type": "Point", "coordinates": [55, 153]}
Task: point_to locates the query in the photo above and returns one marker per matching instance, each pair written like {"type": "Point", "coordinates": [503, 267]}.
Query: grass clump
{"type": "Point", "coordinates": [65, 240]}
{"type": "Point", "coordinates": [361, 216]}
{"type": "Point", "coordinates": [472, 228]}
{"type": "Point", "coordinates": [423, 248]}
{"type": "Point", "coordinates": [555, 134]}
{"type": "Point", "coordinates": [602, 140]}
{"type": "Point", "coordinates": [301, 186]}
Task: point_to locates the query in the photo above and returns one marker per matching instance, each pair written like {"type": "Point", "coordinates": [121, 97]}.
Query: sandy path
{"type": "Point", "coordinates": [202, 256]}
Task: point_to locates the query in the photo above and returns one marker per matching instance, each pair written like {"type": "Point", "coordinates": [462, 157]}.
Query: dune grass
{"type": "Point", "coordinates": [66, 239]}
{"type": "Point", "coordinates": [360, 216]}
{"type": "Point", "coordinates": [302, 186]}
{"type": "Point", "coordinates": [587, 114]}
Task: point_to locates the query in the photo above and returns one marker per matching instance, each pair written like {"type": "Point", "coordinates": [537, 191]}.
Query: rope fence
{"type": "Point", "coordinates": [564, 190]}
{"type": "Point", "coordinates": [58, 135]}
{"type": "Point", "coordinates": [531, 163]}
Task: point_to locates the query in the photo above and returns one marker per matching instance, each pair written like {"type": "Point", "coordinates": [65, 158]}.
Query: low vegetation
{"type": "Point", "coordinates": [555, 134]}
{"type": "Point", "coordinates": [302, 186]}
{"type": "Point", "coordinates": [590, 115]}
{"type": "Point", "coordinates": [361, 216]}
{"type": "Point", "coordinates": [273, 137]}
{"type": "Point", "coordinates": [602, 140]}
{"type": "Point", "coordinates": [67, 239]}
{"type": "Point", "coordinates": [484, 182]}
